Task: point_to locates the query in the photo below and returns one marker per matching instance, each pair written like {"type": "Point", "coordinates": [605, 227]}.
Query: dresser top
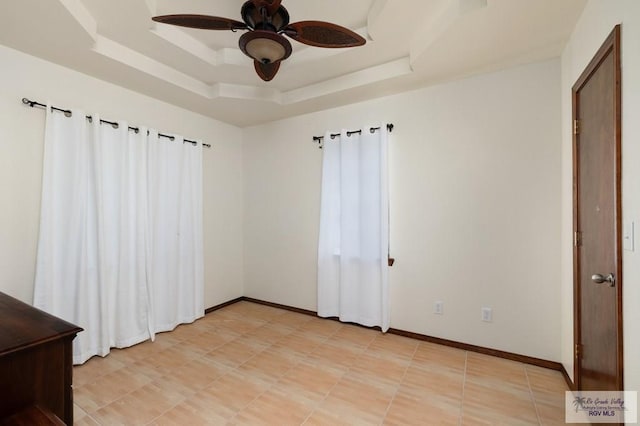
{"type": "Point", "coordinates": [23, 326]}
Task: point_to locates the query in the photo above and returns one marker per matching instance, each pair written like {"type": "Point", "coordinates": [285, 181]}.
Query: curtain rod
{"type": "Point", "coordinates": [68, 113]}
{"type": "Point", "coordinates": [319, 139]}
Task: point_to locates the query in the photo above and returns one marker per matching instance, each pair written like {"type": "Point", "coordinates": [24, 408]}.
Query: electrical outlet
{"type": "Point", "coordinates": [438, 308]}
{"type": "Point", "coordinates": [487, 315]}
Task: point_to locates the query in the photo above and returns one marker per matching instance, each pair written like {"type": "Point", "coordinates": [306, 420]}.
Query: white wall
{"type": "Point", "coordinates": [21, 149]}
{"type": "Point", "coordinates": [475, 207]}
{"type": "Point", "coordinates": [597, 20]}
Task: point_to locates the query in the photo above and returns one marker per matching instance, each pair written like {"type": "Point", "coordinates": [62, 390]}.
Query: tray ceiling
{"type": "Point", "coordinates": [411, 43]}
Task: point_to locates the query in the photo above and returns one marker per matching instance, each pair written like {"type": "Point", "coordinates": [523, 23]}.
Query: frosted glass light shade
{"type": "Point", "coordinates": [265, 46]}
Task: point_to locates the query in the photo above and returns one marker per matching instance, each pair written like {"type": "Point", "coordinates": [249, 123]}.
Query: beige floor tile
{"type": "Point", "coordinates": [334, 355]}
{"type": "Point", "coordinates": [253, 310]}
{"type": "Point", "coordinates": [189, 331]}
{"type": "Point", "coordinates": [357, 396]}
{"type": "Point", "coordinates": [408, 409]}
{"type": "Point", "coordinates": [392, 346]}
{"type": "Point", "coordinates": [148, 369]}
{"type": "Point", "coordinates": [213, 339]}
{"type": "Point", "coordinates": [484, 369]}
{"type": "Point", "coordinates": [256, 345]}
{"type": "Point", "coordinates": [291, 319]}
{"type": "Point", "coordinates": [432, 356]}
{"type": "Point", "coordinates": [355, 335]}
{"type": "Point", "coordinates": [312, 381]}
{"type": "Point", "coordinates": [274, 408]}
{"type": "Point", "coordinates": [298, 343]}
{"type": "Point", "coordinates": [442, 383]}
{"type": "Point", "coordinates": [550, 413]}
{"type": "Point", "coordinates": [95, 368]}
{"type": "Point", "coordinates": [546, 380]}
{"type": "Point", "coordinates": [198, 374]}
{"type": "Point", "coordinates": [234, 390]}
{"type": "Point", "coordinates": [185, 414]}
{"type": "Point", "coordinates": [240, 325]}
{"type": "Point", "coordinates": [321, 327]}
{"type": "Point", "coordinates": [335, 412]}
{"type": "Point", "coordinates": [549, 398]}
{"type": "Point", "coordinates": [253, 364]}
{"type": "Point", "coordinates": [140, 351]}
{"type": "Point", "coordinates": [548, 386]}
{"type": "Point", "coordinates": [386, 370]}
{"type": "Point", "coordinates": [167, 339]}
{"type": "Point", "coordinates": [270, 333]}
{"type": "Point", "coordinates": [322, 417]}
{"type": "Point", "coordinates": [269, 365]}
{"type": "Point", "coordinates": [139, 407]}
{"type": "Point", "coordinates": [490, 418]}
{"type": "Point", "coordinates": [232, 354]}
{"type": "Point", "coordinates": [85, 421]}
{"type": "Point", "coordinates": [169, 359]}
{"type": "Point", "coordinates": [108, 388]}
{"type": "Point", "coordinates": [486, 402]}
{"type": "Point", "coordinates": [78, 413]}
{"type": "Point", "coordinates": [340, 415]}
{"type": "Point", "coordinates": [201, 408]}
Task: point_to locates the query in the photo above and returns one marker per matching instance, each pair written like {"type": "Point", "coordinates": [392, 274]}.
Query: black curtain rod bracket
{"type": "Point", "coordinates": [113, 124]}
{"type": "Point", "coordinates": [372, 130]}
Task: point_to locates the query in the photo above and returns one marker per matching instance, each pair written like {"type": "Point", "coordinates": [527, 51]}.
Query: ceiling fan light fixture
{"type": "Point", "coordinates": [265, 46]}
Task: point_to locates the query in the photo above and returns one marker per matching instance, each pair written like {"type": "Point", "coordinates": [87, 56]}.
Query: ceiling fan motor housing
{"type": "Point", "coordinates": [258, 18]}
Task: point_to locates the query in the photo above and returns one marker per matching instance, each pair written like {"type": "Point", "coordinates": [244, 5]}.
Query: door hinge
{"type": "Point", "coordinates": [577, 239]}
{"type": "Point", "coordinates": [578, 350]}
{"type": "Point", "coordinates": [576, 127]}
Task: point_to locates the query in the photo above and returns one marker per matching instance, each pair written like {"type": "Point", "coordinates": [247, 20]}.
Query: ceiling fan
{"type": "Point", "coordinates": [266, 22]}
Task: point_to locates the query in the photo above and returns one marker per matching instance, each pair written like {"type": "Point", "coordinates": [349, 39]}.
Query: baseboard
{"type": "Point", "coordinates": [279, 306]}
{"type": "Point", "coordinates": [223, 305]}
{"type": "Point", "coordinates": [552, 365]}
{"type": "Point", "coordinates": [567, 379]}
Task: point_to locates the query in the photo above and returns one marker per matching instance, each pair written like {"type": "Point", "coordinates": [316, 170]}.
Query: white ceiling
{"type": "Point", "coordinates": [411, 43]}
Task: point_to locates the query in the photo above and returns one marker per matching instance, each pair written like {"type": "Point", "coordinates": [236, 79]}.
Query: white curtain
{"type": "Point", "coordinates": [175, 262]}
{"type": "Point", "coordinates": [97, 250]}
{"type": "Point", "coordinates": [353, 243]}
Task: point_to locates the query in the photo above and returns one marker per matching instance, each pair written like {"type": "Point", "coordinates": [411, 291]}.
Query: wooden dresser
{"type": "Point", "coordinates": [35, 362]}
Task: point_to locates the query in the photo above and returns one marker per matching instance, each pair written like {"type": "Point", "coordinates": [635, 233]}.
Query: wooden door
{"type": "Point", "coordinates": [597, 222]}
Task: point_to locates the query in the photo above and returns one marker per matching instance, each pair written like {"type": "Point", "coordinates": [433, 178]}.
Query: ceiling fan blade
{"type": "Point", "coordinates": [204, 22]}
{"type": "Point", "coordinates": [266, 71]}
{"type": "Point", "coordinates": [323, 34]}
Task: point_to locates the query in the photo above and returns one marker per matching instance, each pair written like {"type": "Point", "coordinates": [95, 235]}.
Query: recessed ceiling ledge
{"type": "Point", "coordinates": [82, 16]}
{"type": "Point", "coordinates": [253, 93]}
{"type": "Point", "coordinates": [364, 77]}
{"type": "Point", "coordinates": [438, 22]}
{"type": "Point", "coordinates": [374, 17]}
{"type": "Point", "coordinates": [233, 56]}
{"type": "Point", "coordinates": [187, 43]}
{"type": "Point", "coordinates": [129, 57]}
{"type": "Point", "coordinates": [152, 7]}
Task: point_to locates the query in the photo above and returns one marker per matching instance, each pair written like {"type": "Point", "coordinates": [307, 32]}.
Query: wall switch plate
{"type": "Point", "coordinates": [487, 315]}
{"type": "Point", "coordinates": [438, 308]}
{"type": "Point", "coordinates": [628, 236]}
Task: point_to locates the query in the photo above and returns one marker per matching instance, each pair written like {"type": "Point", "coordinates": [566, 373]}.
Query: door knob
{"type": "Point", "coordinates": [599, 279]}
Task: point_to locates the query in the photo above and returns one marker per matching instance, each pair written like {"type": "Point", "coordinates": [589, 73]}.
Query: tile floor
{"type": "Point", "coordinates": [252, 364]}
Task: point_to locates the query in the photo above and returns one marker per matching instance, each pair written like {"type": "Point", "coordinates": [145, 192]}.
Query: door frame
{"type": "Point", "coordinates": [610, 46]}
